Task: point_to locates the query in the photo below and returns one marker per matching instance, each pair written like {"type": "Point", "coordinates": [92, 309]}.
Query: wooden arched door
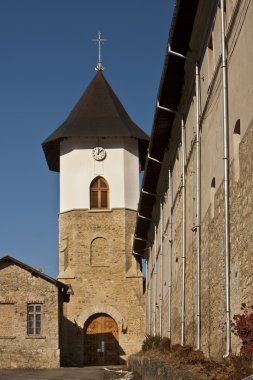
{"type": "Point", "coordinates": [101, 340]}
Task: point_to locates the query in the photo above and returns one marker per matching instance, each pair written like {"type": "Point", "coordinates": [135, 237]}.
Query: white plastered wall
{"type": "Point", "coordinates": [78, 168]}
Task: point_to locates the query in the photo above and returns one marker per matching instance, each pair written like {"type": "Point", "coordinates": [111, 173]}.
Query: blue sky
{"type": "Point", "coordinates": [47, 59]}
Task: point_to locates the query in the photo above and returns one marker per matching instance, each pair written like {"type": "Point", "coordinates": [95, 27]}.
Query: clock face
{"type": "Point", "coordinates": [98, 153]}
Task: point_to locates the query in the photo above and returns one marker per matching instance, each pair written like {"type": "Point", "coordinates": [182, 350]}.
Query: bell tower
{"type": "Point", "coordinates": [99, 152]}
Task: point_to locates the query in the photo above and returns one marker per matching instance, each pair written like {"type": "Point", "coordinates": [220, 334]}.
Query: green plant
{"type": "Point", "coordinates": [242, 326]}
{"type": "Point", "coordinates": [151, 341]}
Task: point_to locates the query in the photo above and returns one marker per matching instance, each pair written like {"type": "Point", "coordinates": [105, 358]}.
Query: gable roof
{"type": "Point", "coordinates": [98, 113]}
{"type": "Point", "coordinates": [9, 259]}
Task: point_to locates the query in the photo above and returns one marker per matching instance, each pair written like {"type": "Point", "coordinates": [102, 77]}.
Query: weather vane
{"type": "Point", "coordinates": [100, 41]}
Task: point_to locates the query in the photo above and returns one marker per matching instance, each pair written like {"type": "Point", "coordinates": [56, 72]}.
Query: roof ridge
{"type": "Point", "coordinates": [115, 100]}
{"type": "Point", "coordinates": [32, 269]}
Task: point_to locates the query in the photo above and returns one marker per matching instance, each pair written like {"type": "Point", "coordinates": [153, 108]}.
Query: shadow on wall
{"type": "Point", "coordinates": [71, 344]}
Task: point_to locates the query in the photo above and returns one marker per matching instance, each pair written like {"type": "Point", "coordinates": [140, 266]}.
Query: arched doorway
{"type": "Point", "coordinates": [101, 340]}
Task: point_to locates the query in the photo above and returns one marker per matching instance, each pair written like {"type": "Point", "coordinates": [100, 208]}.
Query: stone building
{"type": "Point", "coordinates": [31, 305]}
{"type": "Point", "coordinates": [195, 211]}
{"type": "Point", "coordinates": [99, 152]}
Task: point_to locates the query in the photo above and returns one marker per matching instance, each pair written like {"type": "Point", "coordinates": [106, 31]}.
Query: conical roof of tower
{"type": "Point", "coordinates": [98, 113]}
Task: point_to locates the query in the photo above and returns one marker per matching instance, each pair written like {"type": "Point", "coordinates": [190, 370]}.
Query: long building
{"type": "Point", "coordinates": [195, 215]}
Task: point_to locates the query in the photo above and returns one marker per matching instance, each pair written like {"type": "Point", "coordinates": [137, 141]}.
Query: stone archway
{"type": "Point", "coordinates": [101, 340]}
{"type": "Point", "coordinates": [88, 318]}
{"type": "Point", "coordinates": [105, 309]}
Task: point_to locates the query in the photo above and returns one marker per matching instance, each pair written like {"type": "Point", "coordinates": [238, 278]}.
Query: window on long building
{"type": "Point", "coordinates": [99, 194]}
{"type": "Point", "coordinates": [212, 194]}
{"type": "Point", "coordinates": [236, 149]}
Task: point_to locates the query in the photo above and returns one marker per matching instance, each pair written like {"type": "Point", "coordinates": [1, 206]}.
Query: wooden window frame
{"type": "Point", "coordinates": [99, 190]}
{"type": "Point", "coordinates": [31, 316]}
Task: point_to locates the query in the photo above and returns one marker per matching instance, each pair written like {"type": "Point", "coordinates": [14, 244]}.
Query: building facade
{"type": "Point", "coordinates": [99, 151]}
{"type": "Point", "coordinates": [31, 307]}
{"type": "Point", "coordinates": [196, 209]}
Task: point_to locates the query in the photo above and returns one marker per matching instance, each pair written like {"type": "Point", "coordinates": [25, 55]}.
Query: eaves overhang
{"type": "Point", "coordinates": [169, 95]}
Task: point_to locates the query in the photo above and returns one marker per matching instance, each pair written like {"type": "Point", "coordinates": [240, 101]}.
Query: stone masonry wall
{"type": "Point", "coordinates": [152, 369]}
{"type": "Point", "coordinates": [18, 287]}
{"type": "Point", "coordinates": [213, 299]}
{"type": "Point", "coordinates": [213, 254]}
{"type": "Point", "coordinates": [114, 286]}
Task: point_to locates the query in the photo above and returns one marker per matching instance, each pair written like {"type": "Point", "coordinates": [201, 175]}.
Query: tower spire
{"type": "Point", "coordinates": [100, 41]}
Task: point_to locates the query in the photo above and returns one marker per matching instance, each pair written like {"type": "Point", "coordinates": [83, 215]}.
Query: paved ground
{"type": "Point", "coordinates": [86, 373]}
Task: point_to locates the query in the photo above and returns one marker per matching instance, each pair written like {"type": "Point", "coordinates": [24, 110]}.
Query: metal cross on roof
{"type": "Point", "coordinates": [99, 40]}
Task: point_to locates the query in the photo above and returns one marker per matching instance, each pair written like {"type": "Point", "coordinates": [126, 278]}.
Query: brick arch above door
{"type": "Point", "coordinates": [102, 308]}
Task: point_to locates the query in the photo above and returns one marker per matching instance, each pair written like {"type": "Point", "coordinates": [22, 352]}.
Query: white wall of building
{"type": "Point", "coordinates": [78, 168]}
{"type": "Point", "coordinates": [131, 170]}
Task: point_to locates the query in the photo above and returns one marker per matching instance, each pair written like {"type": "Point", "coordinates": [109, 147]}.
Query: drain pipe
{"type": "Point", "coordinates": [149, 299]}
{"type": "Point", "coordinates": [183, 234]}
{"type": "Point", "coordinates": [170, 255]}
{"type": "Point", "coordinates": [150, 291]}
{"type": "Point", "coordinates": [155, 295]}
{"type": "Point", "coordinates": [198, 209]}
{"type": "Point", "coordinates": [155, 287]}
{"type": "Point", "coordinates": [147, 286]}
{"type": "Point", "coordinates": [161, 269]}
{"type": "Point", "coordinates": [226, 176]}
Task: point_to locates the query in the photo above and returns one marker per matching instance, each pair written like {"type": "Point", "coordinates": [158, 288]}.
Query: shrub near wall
{"type": "Point", "coordinates": [158, 360]}
{"type": "Point", "coordinates": [242, 326]}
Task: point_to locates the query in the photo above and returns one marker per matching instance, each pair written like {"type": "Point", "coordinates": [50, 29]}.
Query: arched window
{"type": "Point", "coordinates": [99, 194]}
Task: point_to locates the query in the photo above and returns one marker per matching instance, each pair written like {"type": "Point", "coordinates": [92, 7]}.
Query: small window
{"type": "Point", "coordinates": [237, 129]}
{"type": "Point", "coordinates": [210, 42]}
{"type": "Point", "coordinates": [212, 194]}
{"type": "Point", "coordinates": [99, 194]}
{"type": "Point", "coordinates": [236, 149]}
{"type": "Point", "coordinates": [34, 319]}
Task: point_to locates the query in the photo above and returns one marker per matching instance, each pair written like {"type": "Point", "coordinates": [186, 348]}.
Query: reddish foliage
{"type": "Point", "coordinates": [176, 347]}
{"type": "Point", "coordinates": [242, 326]}
{"type": "Point", "coordinates": [165, 344]}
